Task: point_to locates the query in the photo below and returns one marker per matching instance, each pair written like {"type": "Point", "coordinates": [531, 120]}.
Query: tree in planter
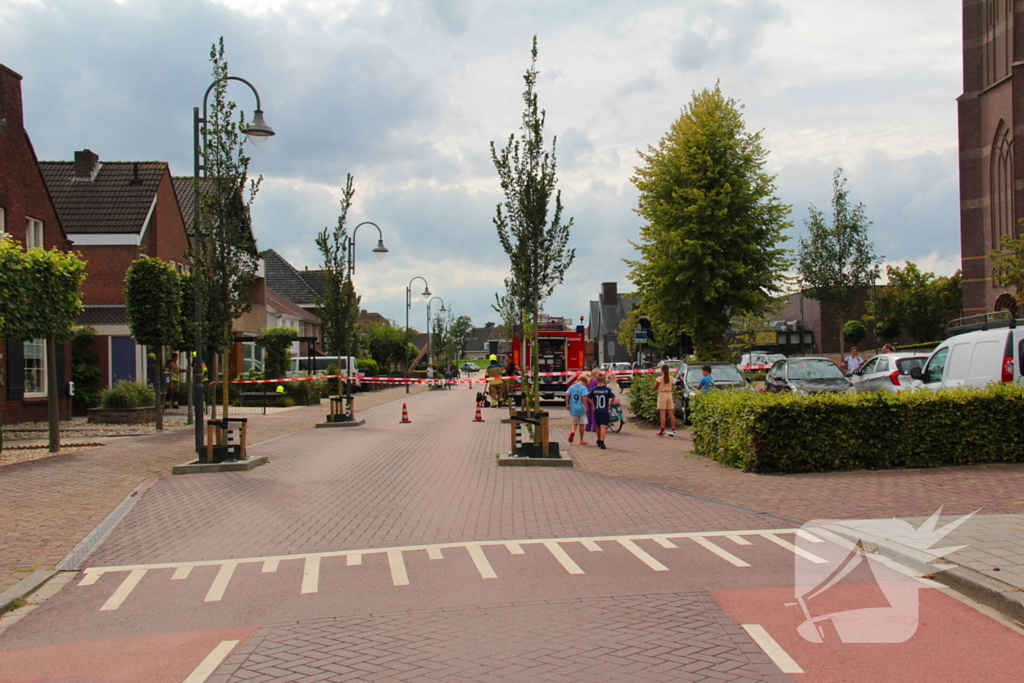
{"type": "Point", "coordinates": [710, 249]}
{"type": "Point", "coordinates": [338, 308]}
{"type": "Point", "coordinates": [837, 261]}
{"type": "Point", "coordinates": [153, 306]}
{"type": "Point", "coordinates": [40, 299]}
{"type": "Point", "coordinates": [276, 343]}
{"type": "Point", "coordinates": [538, 249]}
{"type": "Point", "coordinates": [187, 328]}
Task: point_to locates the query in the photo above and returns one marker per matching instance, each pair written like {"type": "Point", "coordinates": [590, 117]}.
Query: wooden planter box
{"type": "Point", "coordinates": [122, 416]}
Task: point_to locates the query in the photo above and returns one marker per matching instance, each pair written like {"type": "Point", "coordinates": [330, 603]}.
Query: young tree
{"type": "Point", "coordinates": [854, 332]}
{"type": "Point", "coordinates": [916, 302]}
{"type": "Point", "coordinates": [537, 249]}
{"type": "Point", "coordinates": [40, 299]}
{"type": "Point", "coordinates": [338, 308]}
{"type": "Point", "coordinates": [387, 345]}
{"type": "Point", "coordinates": [711, 247]}
{"type": "Point", "coordinates": [276, 343]}
{"type": "Point", "coordinates": [458, 334]}
{"type": "Point", "coordinates": [1008, 266]}
{"type": "Point", "coordinates": [837, 261]}
{"type": "Point", "coordinates": [153, 306]}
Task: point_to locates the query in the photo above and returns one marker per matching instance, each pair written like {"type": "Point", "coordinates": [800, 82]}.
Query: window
{"type": "Point", "coordinates": [35, 368]}
{"type": "Point", "coordinates": [936, 366]}
{"type": "Point", "coordinates": [869, 367]}
{"type": "Point", "coordinates": [33, 233]}
{"type": "Point", "coordinates": [3, 222]}
{"type": "Point", "coordinates": [882, 366]}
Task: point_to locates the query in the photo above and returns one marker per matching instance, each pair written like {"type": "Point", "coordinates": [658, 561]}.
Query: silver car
{"type": "Point", "coordinates": [887, 372]}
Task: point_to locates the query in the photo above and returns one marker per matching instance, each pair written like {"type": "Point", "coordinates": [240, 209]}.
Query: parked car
{"type": "Point", "coordinates": [758, 361]}
{"type": "Point", "coordinates": [469, 367]}
{"type": "Point", "coordinates": [724, 376]}
{"type": "Point", "coordinates": [623, 372]}
{"type": "Point", "coordinates": [808, 375]}
{"type": "Point", "coordinates": [300, 367]}
{"type": "Point", "coordinates": [974, 359]}
{"type": "Point", "coordinates": [672, 363]}
{"type": "Point", "coordinates": [887, 372]}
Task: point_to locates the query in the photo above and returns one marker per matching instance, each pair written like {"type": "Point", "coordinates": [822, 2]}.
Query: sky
{"type": "Point", "coordinates": [408, 95]}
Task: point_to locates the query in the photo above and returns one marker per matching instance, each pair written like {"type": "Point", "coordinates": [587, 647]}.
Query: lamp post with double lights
{"type": "Point", "coordinates": [258, 132]}
{"type": "Point", "coordinates": [430, 329]}
{"type": "Point", "coordinates": [408, 305]}
{"type": "Point", "coordinates": [380, 250]}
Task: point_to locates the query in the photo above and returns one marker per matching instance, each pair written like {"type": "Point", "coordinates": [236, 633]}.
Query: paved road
{"type": "Point", "coordinates": [401, 552]}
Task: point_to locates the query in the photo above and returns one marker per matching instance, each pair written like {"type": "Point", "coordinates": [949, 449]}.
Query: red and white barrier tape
{"type": "Point", "coordinates": [436, 380]}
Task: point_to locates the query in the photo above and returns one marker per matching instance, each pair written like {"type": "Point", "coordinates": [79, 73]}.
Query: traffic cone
{"type": "Point", "coordinates": [405, 416]}
{"type": "Point", "coordinates": [479, 417]}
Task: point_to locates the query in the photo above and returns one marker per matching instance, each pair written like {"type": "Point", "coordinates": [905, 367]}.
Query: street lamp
{"type": "Point", "coordinates": [430, 327]}
{"type": "Point", "coordinates": [258, 132]}
{"type": "Point", "coordinates": [408, 305]}
{"type": "Point", "coordinates": [380, 250]}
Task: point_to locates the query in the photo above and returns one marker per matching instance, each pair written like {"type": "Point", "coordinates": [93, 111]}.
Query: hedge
{"type": "Point", "coordinates": [643, 399]}
{"type": "Point", "coordinates": [124, 395]}
{"type": "Point", "coordinates": [763, 432]}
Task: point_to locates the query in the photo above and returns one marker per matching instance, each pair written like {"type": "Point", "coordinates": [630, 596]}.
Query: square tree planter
{"type": "Point", "coordinates": [122, 416]}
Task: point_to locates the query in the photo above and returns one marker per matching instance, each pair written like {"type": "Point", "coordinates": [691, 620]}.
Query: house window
{"type": "Point", "coordinates": [35, 368]}
{"type": "Point", "coordinates": [33, 233]}
{"type": "Point", "coordinates": [3, 222]}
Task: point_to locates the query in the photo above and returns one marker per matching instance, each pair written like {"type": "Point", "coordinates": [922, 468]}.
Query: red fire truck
{"type": "Point", "coordinates": [561, 351]}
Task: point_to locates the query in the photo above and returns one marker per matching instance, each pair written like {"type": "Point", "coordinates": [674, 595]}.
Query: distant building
{"type": "Point", "coordinates": [605, 315]}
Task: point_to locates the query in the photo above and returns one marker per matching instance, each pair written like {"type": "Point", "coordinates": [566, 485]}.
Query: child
{"type": "Point", "coordinates": [666, 404]}
{"type": "Point", "coordinates": [706, 383]}
{"type": "Point", "coordinates": [577, 400]}
{"type": "Point", "coordinates": [602, 398]}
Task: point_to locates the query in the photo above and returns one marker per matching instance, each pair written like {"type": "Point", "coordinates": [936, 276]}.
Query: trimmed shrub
{"type": "Point", "coordinates": [643, 399]}
{"type": "Point", "coordinates": [128, 395]}
{"type": "Point", "coordinates": [368, 366]}
{"type": "Point", "coordinates": [763, 432]}
{"type": "Point", "coordinates": [304, 393]}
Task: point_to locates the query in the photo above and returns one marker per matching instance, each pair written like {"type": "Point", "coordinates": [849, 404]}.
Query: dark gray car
{"type": "Point", "coordinates": [806, 376]}
{"type": "Point", "coordinates": [724, 376]}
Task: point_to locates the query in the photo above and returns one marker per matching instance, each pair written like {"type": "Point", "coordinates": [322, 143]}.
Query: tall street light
{"type": "Point", "coordinates": [408, 305]}
{"type": "Point", "coordinates": [379, 250]}
{"type": "Point", "coordinates": [258, 132]}
{"type": "Point", "coordinates": [430, 328]}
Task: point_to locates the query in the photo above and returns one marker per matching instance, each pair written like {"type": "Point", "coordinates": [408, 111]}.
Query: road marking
{"type": "Point", "coordinates": [808, 536]}
{"type": "Point", "coordinates": [515, 548]}
{"type": "Point", "coordinates": [591, 546]}
{"type": "Point", "coordinates": [724, 554]}
{"type": "Point", "coordinates": [211, 662]}
{"type": "Point", "coordinates": [480, 560]}
{"type": "Point", "coordinates": [738, 540]}
{"type": "Point", "coordinates": [434, 553]}
{"type": "Point", "coordinates": [124, 590]}
{"type": "Point", "coordinates": [795, 550]}
{"type": "Point", "coordinates": [181, 573]}
{"type": "Point", "coordinates": [563, 557]}
{"type": "Point", "coordinates": [220, 583]}
{"type": "Point", "coordinates": [353, 560]}
{"type": "Point", "coordinates": [642, 555]}
{"type": "Point", "coordinates": [311, 575]}
{"type": "Point", "coordinates": [398, 574]}
{"type": "Point", "coordinates": [89, 579]}
{"type": "Point", "coordinates": [664, 542]}
{"type": "Point", "coordinates": [771, 648]}
{"type": "Point", "coordinates": [270, 566]}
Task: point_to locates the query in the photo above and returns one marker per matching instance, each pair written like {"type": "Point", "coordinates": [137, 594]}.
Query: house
{"type": "Point", "coordinates": [116, 212]}
{"type": "Point", "coordinates": [284, 313]}
{"type": "Point", "coordinates": [27, 214]}
{"type": "Point", "coordinates": [605, 315]}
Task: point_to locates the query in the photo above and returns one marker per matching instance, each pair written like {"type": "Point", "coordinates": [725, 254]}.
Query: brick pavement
{"type": "Point", "coordinates": [51, 504]}
{"type": "Point", "coordinates": [676, 637]}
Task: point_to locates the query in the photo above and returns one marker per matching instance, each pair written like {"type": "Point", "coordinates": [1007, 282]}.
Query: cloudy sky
{"type": "Point", "coordinates": [407, 95]}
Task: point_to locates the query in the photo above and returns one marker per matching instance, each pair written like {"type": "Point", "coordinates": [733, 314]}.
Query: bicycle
{"type": "Point", "coordinates": [616, 418]}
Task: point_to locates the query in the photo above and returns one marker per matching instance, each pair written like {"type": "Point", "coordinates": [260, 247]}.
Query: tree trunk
{"type": "Point", "coordinates": [190, 420]}
{"type": "Point", "coordinates": [211, 384]}
{"type": "Point", "coordinates": [53, 401]}
{"type": "Point", "coordinates": [158, 385]}
{"type": "Point", "coordinates": [225, 395]}
{"type": "Point", "coordinates": [535, 364]}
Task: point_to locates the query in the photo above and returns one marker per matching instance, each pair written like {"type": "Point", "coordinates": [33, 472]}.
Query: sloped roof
{"type": "Point", "coordinates": [185, 191]}
{"type": "Point", "coordinates": [113, 202]}
{"type": "Point", "coordinates": [104, 315]}
{"type": "Point", "coordinates": [282, 304]}
{"type": "Point", "coordinates": [284, 279]}
{"type": "Point", "coordinates": [316, 279]}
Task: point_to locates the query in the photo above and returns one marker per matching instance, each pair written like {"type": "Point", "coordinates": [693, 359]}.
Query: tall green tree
{"type": "Point", "coordinates": [153, 305]}
{"type": "Point", "coordinates": [40, 299]}
{"type": "Point", "coordinates": [458, 334]}
{"type": "Point", "coordinates": [387, 345]}
{"type": "Point", "coordinates": [276, 343]}
{"type": "Point", "coordinates": [917, 302]}
{"type": "Point", "coordinates": [837, 261]}
{"type": "Point", "coordinates": [1008, 265]}
{"type": "Point", "coordinates": [338, 308]}
{"type": "Point", "coordinates": [536, 246]}
{"type": "Point", "coordinates": [710, 248]}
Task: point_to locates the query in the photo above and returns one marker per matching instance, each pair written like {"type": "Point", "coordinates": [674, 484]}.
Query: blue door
{"type": "Point", "coordinates": [122, 359]}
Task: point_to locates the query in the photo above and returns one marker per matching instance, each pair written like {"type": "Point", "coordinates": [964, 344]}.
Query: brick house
{"type": "Point", "coordinates": [116, 212]}
{"type": "Point", "coordinates": [27, 214]}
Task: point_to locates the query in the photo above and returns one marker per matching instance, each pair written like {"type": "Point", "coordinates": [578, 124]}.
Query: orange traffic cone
{"type": "Point", "coordinates": [405, 416]}
{"type": "Point", "coordinates": [479, 417]}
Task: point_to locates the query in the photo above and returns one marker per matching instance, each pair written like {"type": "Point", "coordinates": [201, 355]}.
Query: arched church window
{"type": "Point", "coordinates": [1001, 185]}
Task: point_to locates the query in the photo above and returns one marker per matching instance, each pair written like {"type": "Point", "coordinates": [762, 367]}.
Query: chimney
{"type": "Point", "coordinates": [10, 100]}
{"type": "Point", "coordinates": [136, 180]}
{"type": "Point", "coordinates": [86, 165]}
{"type": "Point", "coordinates": [610, 293]}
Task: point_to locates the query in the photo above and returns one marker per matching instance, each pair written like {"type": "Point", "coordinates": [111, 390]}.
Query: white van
{"type": "Point", "coordinates": [300, 366]}
{"type": "Point", "coordinates": [974, 359]}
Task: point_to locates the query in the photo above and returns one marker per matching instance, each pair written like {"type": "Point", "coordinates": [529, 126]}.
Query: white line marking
{"type": "Point", "coordinates": [398, 573]}
{"type": "Point", "coordinates": [591, 546]}
{"type": "Point", "coordinates": [795, 550]}
{"type": "Point", "coordinates": [563, 557]}
{"type": "Point", "coordinates": [311, 575]}
{"type": "Point", "coordinates": [738, 540]}
{"type": "Point", "coordinates": [514, 548]}
{"type": "Point", "coordinates": [353, 560]}
{"type": "Point", "coordinates": [434, 553]}
{"type": "Point", "coordinates": [270, 566]}
{"type": "Point", "coordinates": [642, 555]}
{"type": "Point", "coordinates": [808, 536]}
{"type": "Point", "coordinates": [90, 578]}
{"type": "Point", "coordinates": [181, 573]}
{"type": "Point", "coordinates": [664, 542]}
{"type": "Point", "coordinates": [124, 590]}
{"type": "Point", "coordinates": [771, 648]}
{"type": "Point", "coordinates": [220, 583]}
{"type": "Point", "coordinates": [480, 560]}
{"type": "Point", "coordinates": [211, 662]}
{"type": "Point", "coordinates": [724, 554]}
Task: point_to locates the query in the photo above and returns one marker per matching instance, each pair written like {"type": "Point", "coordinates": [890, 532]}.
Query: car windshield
{"type": "Point", "coordinates": [719, 373]}
{"type": "Point", "coordinates": [672, 364]}
{"type": "Point", "coordinates": [813, 369]}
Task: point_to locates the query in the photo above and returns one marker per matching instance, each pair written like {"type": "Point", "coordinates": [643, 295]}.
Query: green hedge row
{"type": "Point", "coordinates": [763, 432]}
{"type": "Point", "coordinates": [643, 399]}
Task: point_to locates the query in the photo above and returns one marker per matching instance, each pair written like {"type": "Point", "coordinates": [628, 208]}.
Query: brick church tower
{"type": "Point", "coordinates": [991, 122]}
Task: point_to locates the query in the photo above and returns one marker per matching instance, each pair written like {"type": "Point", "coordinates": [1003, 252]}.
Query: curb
{"type": "Point", "coordinates": [24, 588]}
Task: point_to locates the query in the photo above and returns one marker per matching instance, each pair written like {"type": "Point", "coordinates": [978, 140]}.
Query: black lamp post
{"type": "Point", "coordinates": [408, 305]}
{"type": "Point", "coordinates": [258, 132]}
{"type": "Point", "coordinates": [379, 250]}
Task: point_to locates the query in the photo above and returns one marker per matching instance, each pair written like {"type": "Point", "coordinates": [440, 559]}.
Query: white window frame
{"type": "Point", "coordinates": [3, 223]}
{"type": "Point", "coordinates": [34, 233]}
{"type": "Point", "coordinates": [42, 370]}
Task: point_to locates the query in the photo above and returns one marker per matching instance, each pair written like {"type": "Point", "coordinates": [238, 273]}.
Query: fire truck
{"type": "Point", "coordinates": [560, 351]}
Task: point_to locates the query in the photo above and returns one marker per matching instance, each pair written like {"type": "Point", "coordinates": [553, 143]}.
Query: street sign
{"type": "Point", "coordinates": [639, 335]}
{"type": "Point", "coordinates": [766, 338]}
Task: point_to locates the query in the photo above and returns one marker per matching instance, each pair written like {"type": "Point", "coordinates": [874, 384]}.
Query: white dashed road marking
{"type": "Point", "coordinates": [771, 648]}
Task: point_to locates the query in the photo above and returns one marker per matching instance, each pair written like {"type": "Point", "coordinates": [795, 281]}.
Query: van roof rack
{"type": "Point", "coordinates": [982, 321]}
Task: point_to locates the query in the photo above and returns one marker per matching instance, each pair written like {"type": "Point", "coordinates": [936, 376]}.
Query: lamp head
{"type": "Point", "coordinates": [258, 131]}
{"type": "Point", "coordinates": [443, 309]}
{"type": "Point", "coordinates": [380, 249]}
{"type": "Point", "coordinates": [426, 291]}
